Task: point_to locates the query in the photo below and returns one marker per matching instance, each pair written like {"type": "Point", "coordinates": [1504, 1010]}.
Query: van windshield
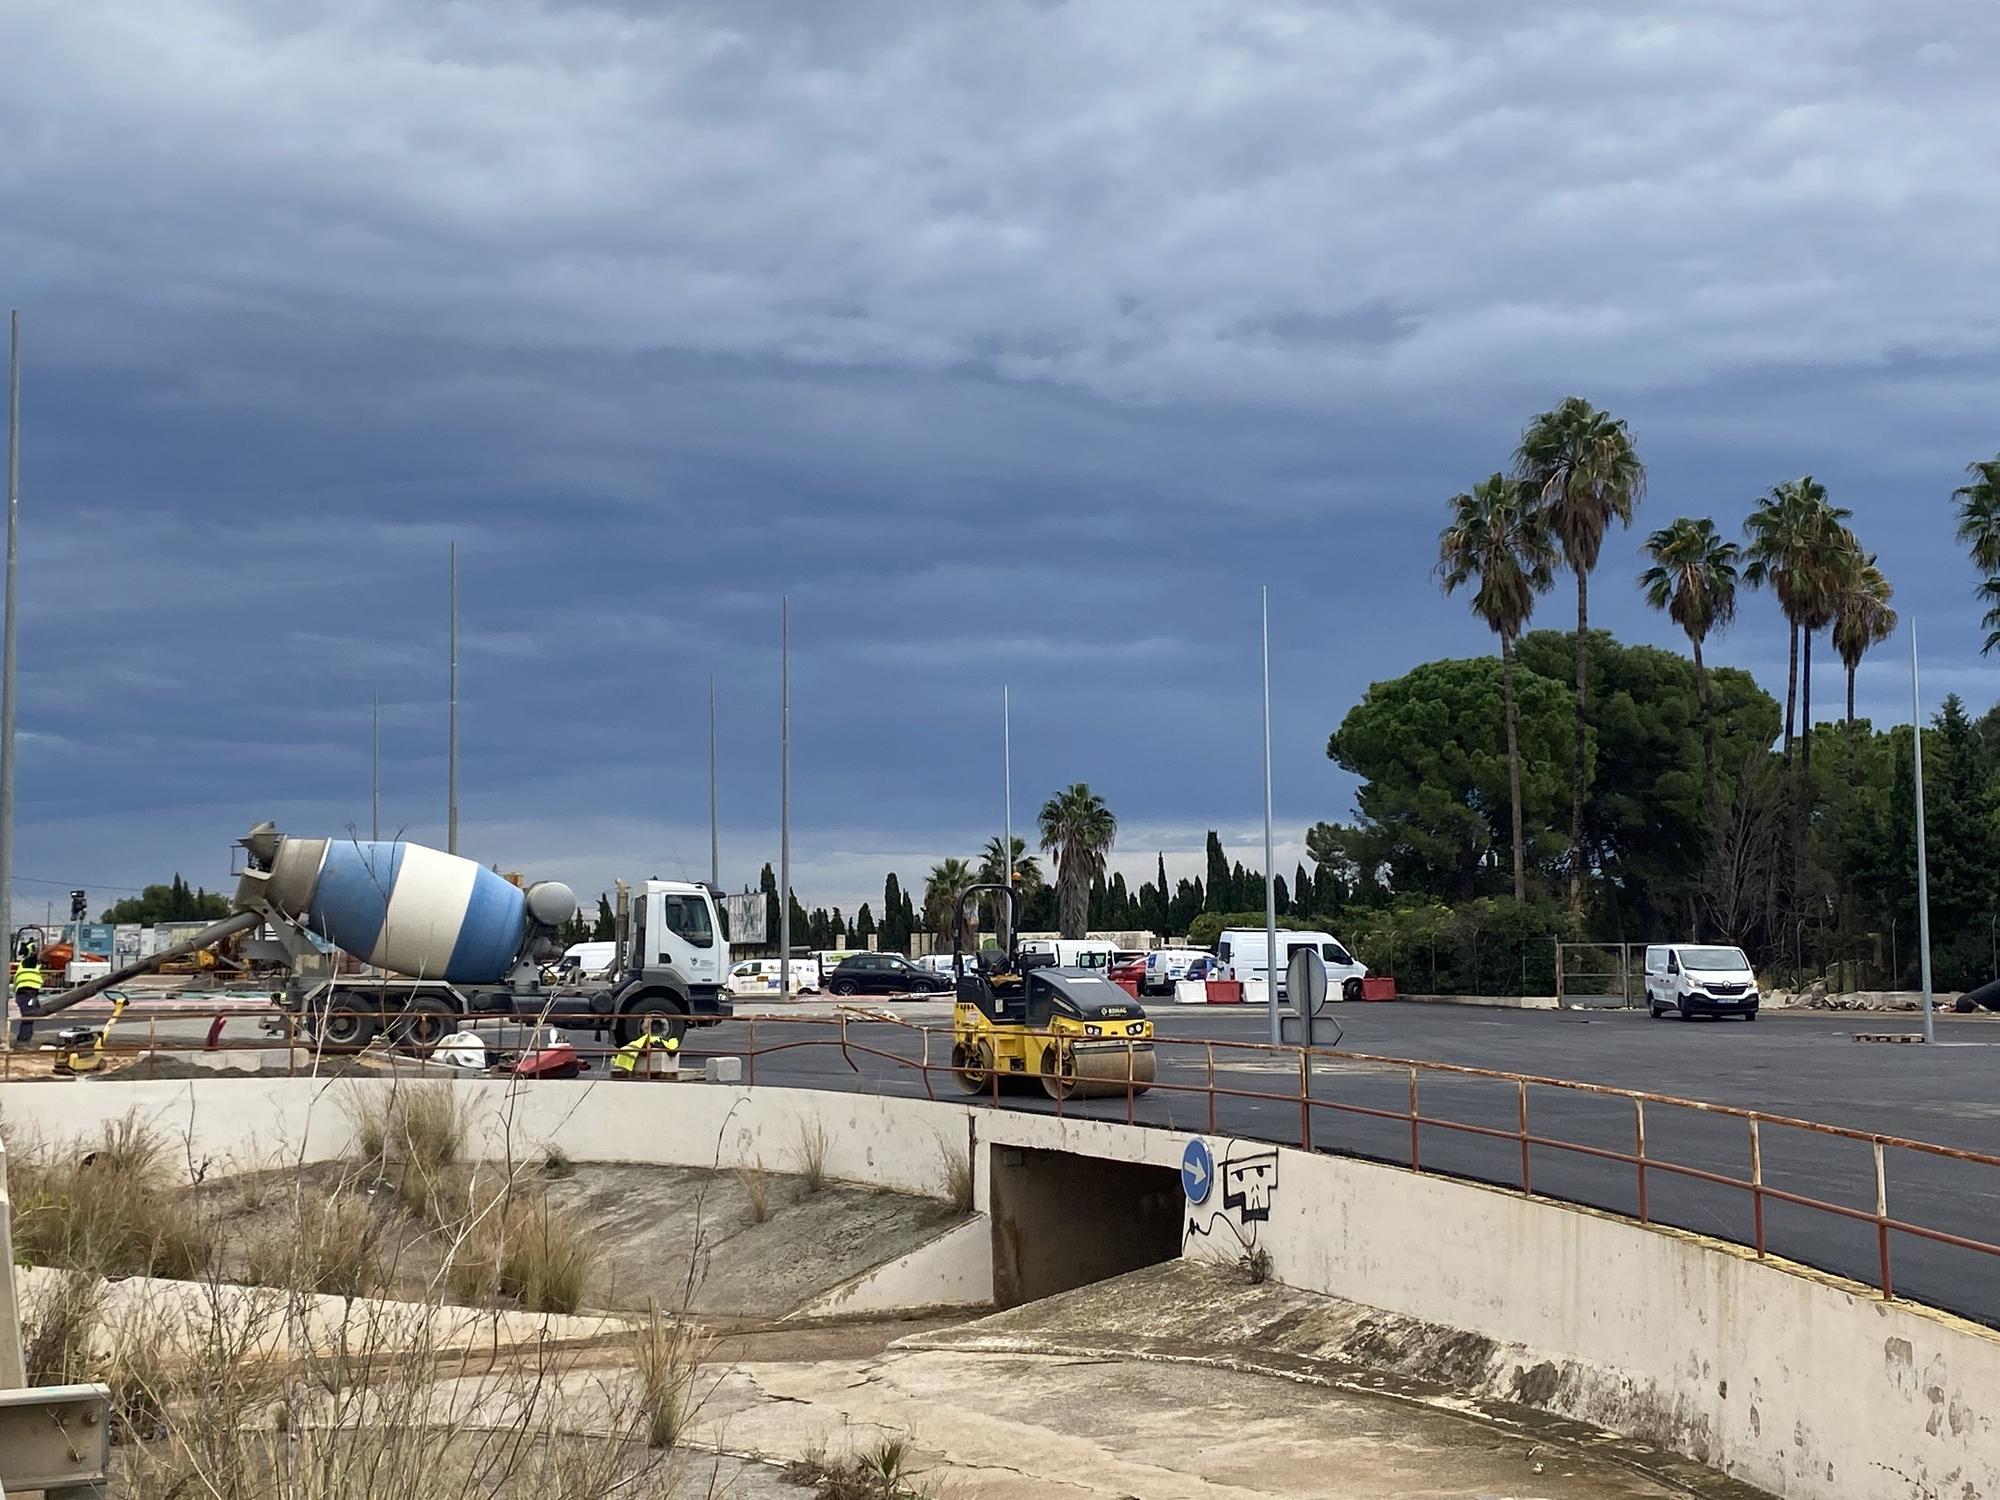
{"type": "Point", "coordinates": [1713, 958]}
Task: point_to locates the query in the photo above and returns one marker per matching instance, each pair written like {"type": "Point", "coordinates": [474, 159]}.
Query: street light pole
{"type": "Point", "coordinates": [785, 799]}
{"type": "Point", "coordinates": [1270, 859]}
{"type": "Point", "coordinates": [1007, 787]}
{"type": "Point", "coordinates": [9, 651]}
{"type": "Point", "coordinates": [451, 751]}
{"type": "Point", "coordinates": [375, 771]}
{"type": "Point", "coordinates": [714, 840]}
{"type": "Point", "coordinates": [1923, 856]}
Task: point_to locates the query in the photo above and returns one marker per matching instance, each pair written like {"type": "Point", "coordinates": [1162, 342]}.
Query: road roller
{"type": "Point", "coordinates": [1019, 1018]}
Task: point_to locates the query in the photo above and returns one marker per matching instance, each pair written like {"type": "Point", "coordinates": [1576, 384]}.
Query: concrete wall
{"type": "Point", "coordinates": [1794, 1382]}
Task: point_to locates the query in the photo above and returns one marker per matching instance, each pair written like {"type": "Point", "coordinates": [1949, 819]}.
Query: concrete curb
{"type": "Point", "coordinates": [1490, 1002]}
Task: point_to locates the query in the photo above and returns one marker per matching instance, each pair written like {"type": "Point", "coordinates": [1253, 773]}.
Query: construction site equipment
{"type": "Point", "coordinates": [450, 942]}
{"type": "Point", "coordinates": [80, 1049]}
{"type": "Point", "coordinates": [1019, 1017]}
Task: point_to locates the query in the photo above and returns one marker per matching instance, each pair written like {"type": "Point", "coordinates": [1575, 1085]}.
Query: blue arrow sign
{"type": "Point", "coordinates": [1197, 1171]}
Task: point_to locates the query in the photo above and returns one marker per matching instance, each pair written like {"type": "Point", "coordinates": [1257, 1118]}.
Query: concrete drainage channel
{"type": "Point", "coordinates": [1131, 1311]}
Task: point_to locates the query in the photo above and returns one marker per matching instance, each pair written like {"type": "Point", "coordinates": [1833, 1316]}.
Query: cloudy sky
{"type": "Point", "coordinates": [1019, 343]}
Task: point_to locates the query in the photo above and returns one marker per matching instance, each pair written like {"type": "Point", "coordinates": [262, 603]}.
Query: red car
{"type": "Point", "coordinates": [1127, 971]}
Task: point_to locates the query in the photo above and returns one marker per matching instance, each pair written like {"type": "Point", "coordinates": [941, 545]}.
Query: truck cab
{"type": "Point", "coordinates": [675, 959]}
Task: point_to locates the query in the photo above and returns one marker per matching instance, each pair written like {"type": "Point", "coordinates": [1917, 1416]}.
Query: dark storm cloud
{"type": "Point", "coordinates": [1018, 342]}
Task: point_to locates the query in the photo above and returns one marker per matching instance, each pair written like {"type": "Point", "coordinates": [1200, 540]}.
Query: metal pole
{"type": "Point", "coordinates": [375, 779]}
{"type": "Point", "coordinates": [1923, 857]}
{"type": "Point", "coordinates": [1270, 860]}
{"type": "Point", "coordinates": [451, 754]}
{"type": "Point", "coordinates": [785, 799]}
{"type": "Point", "coordinates": [11, 648]}
{"type": "Point", "coordinates": [1007, 786]}
{"type": "Point", "coordinates": [714, 842]}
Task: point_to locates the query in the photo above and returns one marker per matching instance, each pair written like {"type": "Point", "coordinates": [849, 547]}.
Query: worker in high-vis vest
{"type": "Point", "coordinates": [642, 1049]}
{"type": "Point", "coordinates": [27, 994]}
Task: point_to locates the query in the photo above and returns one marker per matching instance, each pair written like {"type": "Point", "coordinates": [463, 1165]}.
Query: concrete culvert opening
{"type": "Point", "coordinates": [1062, 1221]}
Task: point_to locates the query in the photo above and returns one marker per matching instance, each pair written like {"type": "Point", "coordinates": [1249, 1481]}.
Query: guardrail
{"type": "Point", "coordinates": [1208, 1071]}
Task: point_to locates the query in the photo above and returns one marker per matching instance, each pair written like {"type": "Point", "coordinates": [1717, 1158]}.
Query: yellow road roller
{"type": "Point", "coordinates": [1024, 1019]}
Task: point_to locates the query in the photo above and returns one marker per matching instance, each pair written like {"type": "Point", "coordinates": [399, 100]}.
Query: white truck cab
{"type": "Point", "coordinates": [1696, 979]}
{"type": "Point", "coordinates": [675, 926]}
{"type": "Point", "coordinates": [1243, 952]}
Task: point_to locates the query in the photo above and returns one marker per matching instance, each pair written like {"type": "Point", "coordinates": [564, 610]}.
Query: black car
{"type": "Point", "coordinates": [884, 974]}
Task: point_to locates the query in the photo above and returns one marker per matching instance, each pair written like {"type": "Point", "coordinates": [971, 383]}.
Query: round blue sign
{"type": "Point", "coordinates": [1197, 1171]}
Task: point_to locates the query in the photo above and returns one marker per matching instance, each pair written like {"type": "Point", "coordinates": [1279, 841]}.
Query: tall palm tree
{"type": "Point", "coordinates": [1078, 829]}
{"type": "Point", "coordinates": [1582, 464]}
{"type": "Point", "coordinates": [1498, 540]}
{"type": "Point", "coordinates": [993, 871]}
{"type": "Point", "coordinates": [1979, 529]}
{"type": "Point", "coordinates": [1693, 578]}
{"type": "Point", "coordinates": [1862, 619]}
{"type": "Point", "coordinates": [1798, 549]}
{"type": "Point", "coordinates": [948, 881]}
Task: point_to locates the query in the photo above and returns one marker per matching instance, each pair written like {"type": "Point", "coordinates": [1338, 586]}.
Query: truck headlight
{"type": "Point", "coordinates": [1093, 1031]}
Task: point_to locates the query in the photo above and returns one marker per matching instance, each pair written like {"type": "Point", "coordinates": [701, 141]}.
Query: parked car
{"type": "Point", "coordinates": [1167, 967]}
{"type": "Point", "coordinates": [582, 962]}
{"type": "Point", "coordinates": [1694, 979]}
{"type": "Point", "coordinates": [1242, 951]}
{"type": "Point", "coordinates": [885, 974]}
{"type": "Point", "coordinates": [1073, 953]}
{"type": "Point", "coordinates": [1128, 967]}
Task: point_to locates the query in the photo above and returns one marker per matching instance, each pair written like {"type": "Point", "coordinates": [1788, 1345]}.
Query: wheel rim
{"type": "Point", "coordinates": [1057, 1081]}
{"type": "Point", "coordinates": [341, 1026]}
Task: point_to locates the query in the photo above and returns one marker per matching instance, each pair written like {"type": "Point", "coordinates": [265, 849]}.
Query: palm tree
{"type": "Point", "coordinates": [1497, 536]}
{"type": "Point", "coordinates": [1693, 578]}
{"type": "Point", "coordinates": [993, 871]}
{"type": "Point", "coordinates": [1798, 549]}
{"type": "Point", "coordinates": [1862, 619]}
{"type": "Point", "coordinates": [1582, 464]}
{"type": "Point", "coordinates": [948, 881]}
{"type": "Point", "coordinates": [1979, 529]}
{"type": "Point", "coordinates": [1078, 829]}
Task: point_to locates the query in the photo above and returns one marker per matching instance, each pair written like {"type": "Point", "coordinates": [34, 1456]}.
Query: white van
{"type": "Point", "coordinates": [582, 962]}
{"type": "Point", "coordinates": [761, 976]}
{"type": "Point", "coordinates": [1693, 979]}
{"type": "Point", "coordinates": [1074, 953]}
{"type": "Point", "coordinates": [1242, 952]}
{"type": "Point", "coordinates": [1167, 967]}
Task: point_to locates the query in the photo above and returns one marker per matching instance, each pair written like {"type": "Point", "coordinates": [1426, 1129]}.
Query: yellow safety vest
{"type": "Point", "coordinates": [28, 977]}
{"type": "Point", "coordinates": [627, 1060]}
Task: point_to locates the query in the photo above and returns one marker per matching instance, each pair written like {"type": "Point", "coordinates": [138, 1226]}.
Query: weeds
{"type": "Point", "coordinates": [813, 1145]}
{"type": "Point", "coordinates": [420, 1127]}
{"type": "Point", "coordinates": [556, 1162]}
{"type": "Point", "coordinates": [527, 1250]}
{"type": "Point", "coordinates": [60, 1328]}
{"type": "Point", "coordinates": [113, 1207]}
{"type": "Point", "coordinates": [333, 1245]}
{"type": "Point", "coordinates": [670, 1354]}
{"type": "Point", "coordinates": [757, 1188]}
{"type": "Point", "coordinates": [955, 1175]}
{"type": "Point", "coordinates": [1255, 1265]}
{"type": "Point", "coordinates": [882, 1471]}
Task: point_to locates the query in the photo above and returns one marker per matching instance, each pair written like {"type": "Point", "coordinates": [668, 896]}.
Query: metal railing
{"type": "Point", "coordinates": [1209, 1071]}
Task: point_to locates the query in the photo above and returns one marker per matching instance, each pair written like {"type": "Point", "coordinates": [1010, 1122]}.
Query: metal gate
{"type": "Point", "coordinates": [1600, 975]}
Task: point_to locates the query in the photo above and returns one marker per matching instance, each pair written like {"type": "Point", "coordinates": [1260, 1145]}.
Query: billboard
{"type": "Point", "coordinates": [745, 915]}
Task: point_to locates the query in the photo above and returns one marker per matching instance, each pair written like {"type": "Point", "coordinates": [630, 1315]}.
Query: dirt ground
{"type": "Point", "coordinates": [667, 1233]}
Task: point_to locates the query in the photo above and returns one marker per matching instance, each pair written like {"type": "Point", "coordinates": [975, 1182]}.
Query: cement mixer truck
{"type": "Point", "coordinates": [449, 941]}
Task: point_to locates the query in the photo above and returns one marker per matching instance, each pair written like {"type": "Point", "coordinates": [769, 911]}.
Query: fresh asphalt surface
{"type": "Point", "coordinates": [1803, 1065]}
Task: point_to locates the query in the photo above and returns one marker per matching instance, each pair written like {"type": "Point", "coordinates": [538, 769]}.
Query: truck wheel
{"type": "Point", "coordinates": [1351, 991]}
{"type": "Point", "coordinates": [671, 1017]}
{"type": "Point", "coordinates": [349, 1021]}
{"type": "Point", "coordinates": [427, 1022]}
{"type": "Point", "coordinates": [974, 1065]}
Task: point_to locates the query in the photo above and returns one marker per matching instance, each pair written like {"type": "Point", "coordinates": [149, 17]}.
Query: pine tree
{"type": "Point", "coordinates": [864, 926]}
{"type": "Point", "coordinates": [1284, 898]}
{"type": "Point", "coordinates": [1303, 901]}
{"type": "Point", "coordinates": [1163, 895]}
{"type": "Point", "coordinates": [1220, 893]}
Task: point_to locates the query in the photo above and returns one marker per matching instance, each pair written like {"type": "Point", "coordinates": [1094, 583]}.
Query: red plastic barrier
{"type": "Point", "coordinates": [1379, 987]}
{"type": "Point", "coordinates": [1225, 992]}
{"type": "Point", "coordinates": [1129, 986]}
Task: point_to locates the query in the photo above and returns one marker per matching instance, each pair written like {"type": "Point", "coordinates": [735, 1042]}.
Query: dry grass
{"type": "Point", "coordinates": [955, 1175]}
{"type": "Point", "coordinates": [813, 1144]}
{"type": "Point", "coordinates": [337, 1244]}
{"type": "Point", "coordinates": [757, 1188]}
{"type": "Point", "coordinates": [59, 1327]}
{"type": "Point", "coordinates": [670, 1355]}
{"type": "Point", "coordinates": [421, 1125]}
{"type": "Point", "coordinates": [524, 1250]}
{"type": "Point", "coordinates": [116, 1205]}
